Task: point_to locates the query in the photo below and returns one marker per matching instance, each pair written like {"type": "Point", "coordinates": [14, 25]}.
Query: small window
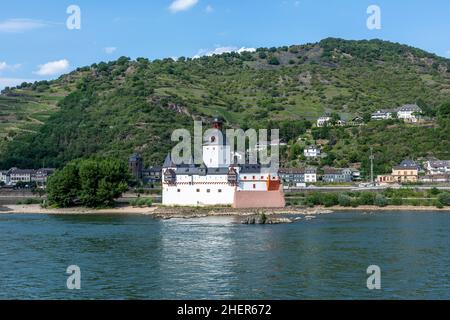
{"type": "Point", "coordinates": [245, 177]}
{"type": "Point", "coordinates": [178, 190]}
{"type": "Point", "coordinates": [262, 177]}
{"type": "Point", "coordinates": [254, 177]}
{"type": "Point", "coordinates": [198, 190]}
{"type": "Point", "coordinates": [254, 186]}
{"type": "Point", "coordinates": [208, 190]}
{"type": "Point", "coordinates": [220, 190]}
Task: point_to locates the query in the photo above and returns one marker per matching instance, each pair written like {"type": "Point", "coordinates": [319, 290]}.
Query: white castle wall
{"type": "Point", "coordinates": [199, 191]}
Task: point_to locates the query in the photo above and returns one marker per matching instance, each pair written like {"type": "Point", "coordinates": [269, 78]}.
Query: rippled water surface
{"type": "Point", "coordinates": [137, 257]}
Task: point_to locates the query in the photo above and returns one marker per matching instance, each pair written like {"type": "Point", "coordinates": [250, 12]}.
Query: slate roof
{"type": "Point", "coordinates": [409, 107]}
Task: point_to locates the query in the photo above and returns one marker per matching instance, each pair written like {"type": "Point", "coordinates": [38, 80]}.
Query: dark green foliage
{"type": "Point", "coordinates": [380, 200]}
{"type": "Point", "coordinates": [444, 199]}
{"type": "Point", "coordinates": [344, 200]}
{"type": "Point", "coordinates": [93, 182]}
{"type": "Point", "coordinates": [274, 60]}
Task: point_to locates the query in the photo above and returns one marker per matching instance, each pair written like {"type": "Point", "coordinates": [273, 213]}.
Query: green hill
{"type": "Point", "coordinates": [122, 106]}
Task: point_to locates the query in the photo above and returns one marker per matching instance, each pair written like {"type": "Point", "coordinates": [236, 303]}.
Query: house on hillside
{"type": "Point", "coordinates": [323, 121]}
{"type": "Point", "coordinates": [312, 152]}
{"type": "Point", "coordinates": [356, 121]}
{"type": "Point", "coordinates": [409, 113]}
{"type": "Point", "coordinates": [382, 114]}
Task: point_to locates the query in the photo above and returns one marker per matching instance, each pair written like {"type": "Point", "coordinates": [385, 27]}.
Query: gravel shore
{"type": "Point", "coordinates": [187, 212]}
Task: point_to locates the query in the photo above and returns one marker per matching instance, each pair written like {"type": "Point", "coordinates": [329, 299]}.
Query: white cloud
{"type": "Point", "coordinates": [53, 67]}
{"type": "Point", "coordinates": [4, 66]}
{"type": "Point", "coordinates": [12, 82]}
{"type": "Point", "coordinates": [110, 50]}
{"type": "Point", "coordinates": [448, 52]}
{"type": "Point", "coordinates": [209, 8]}
{"type": "Point", "coordinates": [20, 25]}
{"type": "Point", "coordinates": [220, 50]}
{"type": "Point", "coordinates": [182, 5]}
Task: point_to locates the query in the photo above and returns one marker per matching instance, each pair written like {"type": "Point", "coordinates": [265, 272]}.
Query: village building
{"type": "Point", "coordinates": [337, 175]}
{"type": "Point", "coordinates": [298, 176]}
{"type": "Point", "coordinates": [152, 175]}
{"type": "Point", "coordinates": [356, 121]}
{"type": "Point", "coordinates": [144, 175]}
{"type": "Point", "coordinates": [5, 177]}
{"type": "Point", "coordinates": [382, 114]}
{"type": "Point", "coordinates": [409, 113]}
{"type": "Point", "coordinates": [219, 180]}
{"type": "Point", "coordinates": [437, 167]}
{"type": "Point", "coordinates": [406, 172]}
{"type": "Point", "coordinates": [312, 152]}
{"type": "Point", "coordinates": [41, 175]}
{"type": "Point", "coordinates": [268, 144]}
{"type": "Point", "coordinates": [14, 175]}
{"type": "Point", "coordinates": [323, 121]}
{"type": "Point", "coordinates": [21, 175]}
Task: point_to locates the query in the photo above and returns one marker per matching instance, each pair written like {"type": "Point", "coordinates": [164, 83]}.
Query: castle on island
{"type": "Point", "coordinates": [220, 180]}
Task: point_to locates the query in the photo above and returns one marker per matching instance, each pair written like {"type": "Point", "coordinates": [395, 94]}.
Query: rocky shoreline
{"type": "Point", "coordinates": [248, 216]}
{"type": "Point", "coordinates": [186, 213]}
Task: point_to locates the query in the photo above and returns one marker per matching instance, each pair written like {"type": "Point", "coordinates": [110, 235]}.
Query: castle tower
{"type": "Point", "coordinates": [135, 164]}
{"type": "Point", "coordinates": [216, 151]}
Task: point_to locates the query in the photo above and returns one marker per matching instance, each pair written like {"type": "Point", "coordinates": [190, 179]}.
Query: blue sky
{"type": "Point", "coordinates": [36, 44]}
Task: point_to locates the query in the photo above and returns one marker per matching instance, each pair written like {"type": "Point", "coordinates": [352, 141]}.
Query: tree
{"type": "Point", "coordinates": [94, 182]}
{"type": "Point", "coordinates": [63, 186]}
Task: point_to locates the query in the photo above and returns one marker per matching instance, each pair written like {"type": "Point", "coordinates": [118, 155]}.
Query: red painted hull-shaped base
{"type": "Point", "coordinates": [259, 199]}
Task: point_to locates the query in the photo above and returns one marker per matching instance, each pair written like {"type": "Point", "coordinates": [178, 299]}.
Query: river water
{"type": "Point", "coordinates": [138, 257]}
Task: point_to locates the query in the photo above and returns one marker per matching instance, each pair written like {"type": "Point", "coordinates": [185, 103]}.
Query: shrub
{"type": "Point", "coordinates": [344, 200]}
{"type": "Point", "coordinates": [274, 61]}
{"type": "Point", "coordinates": [366, 198]}
{"type": "Point", "coordinates": [397, 201]}
{"type": "Point", "coordinates": [330, 199]}
{"type": "Point", "coordinates": [444, 199]}
{"type": "Point", "coordinates": [380, 200]}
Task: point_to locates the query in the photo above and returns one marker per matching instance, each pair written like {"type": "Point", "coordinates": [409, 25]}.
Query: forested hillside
{"type": "Point", "coordinates": [123, 106]}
